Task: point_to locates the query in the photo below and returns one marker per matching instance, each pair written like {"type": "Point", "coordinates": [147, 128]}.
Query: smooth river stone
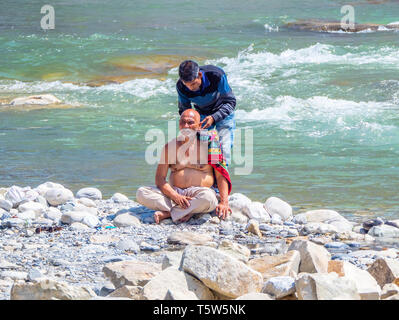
{"type": "Point", "coordinates": [187, 238]}
{"type": "Point", "coordinates": [58, 196]}
{"type": "Point", "coordinates": [36, 99]}
{"type": "Point", "coordinates": [6, 204]}
{"type": "Point", "coordinates": [91, 193]}
{"type": "Point", "coordinates": [274, 205]}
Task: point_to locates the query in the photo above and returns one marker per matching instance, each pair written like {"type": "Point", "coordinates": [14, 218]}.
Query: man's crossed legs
{"type": "Point", "coordinates": [202, 200]}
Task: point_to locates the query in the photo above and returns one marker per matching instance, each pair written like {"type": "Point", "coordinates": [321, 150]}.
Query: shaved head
{"type": "Point", "coordinates": [191, 113]}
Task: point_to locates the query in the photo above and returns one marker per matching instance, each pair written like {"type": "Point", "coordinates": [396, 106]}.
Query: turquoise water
{"type": "Point", "coordinates": [323, 106]}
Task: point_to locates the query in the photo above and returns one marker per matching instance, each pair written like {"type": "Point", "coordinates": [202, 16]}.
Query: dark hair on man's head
{"type": "Point", "coordinates": [188, 70]}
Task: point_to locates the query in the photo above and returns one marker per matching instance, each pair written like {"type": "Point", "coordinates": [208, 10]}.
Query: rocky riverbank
{"type": "Point", "coordinates": [59, 245]}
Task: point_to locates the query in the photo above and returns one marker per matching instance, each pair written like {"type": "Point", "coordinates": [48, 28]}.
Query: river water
{"type": "Point", "coordinates": [322, 105]}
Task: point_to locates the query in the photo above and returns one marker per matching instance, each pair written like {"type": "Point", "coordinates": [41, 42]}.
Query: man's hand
{"type": "Point", "coordinates": [222, 210]}
{"type": "Point", "coordinates": [207, 122]}
{"type": "Point", "coordinates": [182, 201]}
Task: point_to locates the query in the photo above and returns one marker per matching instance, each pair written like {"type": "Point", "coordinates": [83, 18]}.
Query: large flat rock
{"type": "Point", "coordinates": [275, 266]}
{"type": "Point", "coordinates": [174, 284]}
{"type": "Point", "coordinates": [47, 289]}
{"type": "Point", "coordinates": [314, 258]}
{"type": "Point", "coordinates": [131, 273]}
{"type": "Point", "coordinates": [221, 272]}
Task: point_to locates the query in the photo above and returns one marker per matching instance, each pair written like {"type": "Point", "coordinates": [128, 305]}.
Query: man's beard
{"type": "Point", "coordinates": [187, 133]}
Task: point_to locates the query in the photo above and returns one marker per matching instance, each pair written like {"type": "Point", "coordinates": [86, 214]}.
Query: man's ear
{"type": "Point", "coordinates": [199, 75]}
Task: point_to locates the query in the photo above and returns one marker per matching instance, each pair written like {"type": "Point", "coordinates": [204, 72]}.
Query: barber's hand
{"type": "Point", "coordinates": [222, 210]}
{"type": "Point", "coordinates": [207, 122]}
{"type": "Point", "coordinates": [182, 201]}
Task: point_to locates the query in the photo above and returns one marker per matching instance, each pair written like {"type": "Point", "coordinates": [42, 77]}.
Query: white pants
{"type": "Point", "coordinates": [203, 200]}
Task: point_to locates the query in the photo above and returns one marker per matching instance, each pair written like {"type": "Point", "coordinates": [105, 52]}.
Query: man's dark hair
{"type": "Point", "coordinates": [188, 70]}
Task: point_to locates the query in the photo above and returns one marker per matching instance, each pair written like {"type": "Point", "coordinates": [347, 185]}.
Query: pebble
{"type": "Point", "coordinates": [336, 245]}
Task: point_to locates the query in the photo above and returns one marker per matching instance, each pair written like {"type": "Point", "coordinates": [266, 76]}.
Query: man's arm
{"type": "Point", "coordinates": [164, 186]}
{"type": "Point", "coordinates": [228, 100]}
{"type": "Point", "coordinates": [223, 208]}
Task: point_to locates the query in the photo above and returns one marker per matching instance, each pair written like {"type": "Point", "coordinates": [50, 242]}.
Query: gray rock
{"type": "Point", "coordinates": [276, 219]}
{"type": "Point", "coordinates": [280, 287]}
{"type": "Point", "coordinates": [13, 222]}
{"type": "Point", "coordinates": [119, 198]}
{"type": "Point", "coordinates": [15, 195]}
{"type": "Point", "coordinates": [180, 284]}
{"type": "Point", "coordinates": [255, 210]}
{"type": "Point", "coordinates": [26, 215]}
{"type": "Point", "coordinates": [325, 286]}
{"type": "Point", "coordinates": [77, 226]}
{"type": "Point", "coordinates": [318, 228]}
{"type": "Point", "coordinates": [34, 274]}
{"type": "Point", "coordinates": [126, 220]}
{"type": "Point", "coordinates": [6, 204]}
{"type": "Point", "coordinates": [187, 238]}
{"type": "Point", "coordinates": [131, 273]}
{"type": "Point", "coordinates": [41, 99]}
{"type": "Point", "coordinates": [91, 221]}
{"type": "Point", "coordinates": [91, 193]}
{"type": "Point", "coordinates": [53, 214]}
{"type": "Point", "coordinates": [106, 289]}
{"type": "Point", "coordinates": [220, 272]}
{"type": "Point", "coordinates": [70, 217]}
{"type": "Point", "coordinates": [274, 205]}
{"type": "Point", "coordinates": [36, 207]}
{"type": "Point", "coordinates": [384, 230]}
{"type": "Point", "coordinates": [58, 196]}
{"type": "Point", "coordinates": [271, 247]}
{"type": "Point", "coordinates": [255, 296]}
{"type": "Point", "coordinates": [368, 224]}
{"type": "Point", "coordinates": [87, 202]}
{"type": "Point", "coordinates": [14, 275]}
{"type": "Point", "coordinates": [300, 218]}
{"type": "Point", "coordinates": [172, 259]}
{"type": "Point", "coordinates": [389, 290]}
{"type": "Point", "coordinates": [337, 245]}
{"type": "Point", "coordinates": [384, 270]}
{"type": "Point", "coordinates": [128, 245]}
{"type": "Point", "coordinates": [314, 258]}
{"type": "Point", "coordinates": [46, 289]}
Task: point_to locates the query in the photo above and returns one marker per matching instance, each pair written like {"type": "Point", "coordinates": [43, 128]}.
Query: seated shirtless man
{"type": "Point", "coordinates": [188, 191]}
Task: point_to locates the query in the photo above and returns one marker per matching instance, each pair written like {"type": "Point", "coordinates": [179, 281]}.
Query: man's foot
{"type": "Point", "coordinates": [185, 218]}
{"type": "Point", "coordinates": [161, 215]}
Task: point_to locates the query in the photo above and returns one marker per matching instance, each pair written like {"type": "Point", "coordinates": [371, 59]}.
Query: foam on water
{"type": "Point", "coordinates": [321, 115]}
{"type": "Point", "coordinates": [248, 70]}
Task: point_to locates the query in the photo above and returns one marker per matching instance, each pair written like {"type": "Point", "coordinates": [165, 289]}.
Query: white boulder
{"type": "Point", "coordinates": [91, 193]}
{"type": "Point", "coordinates": [58, 196]}
{"type": "Point", "coordinates": [274, 205]}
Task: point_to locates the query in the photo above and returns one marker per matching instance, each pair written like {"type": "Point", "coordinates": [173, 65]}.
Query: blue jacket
{"type": "Point", "coordinates": [214, 97]}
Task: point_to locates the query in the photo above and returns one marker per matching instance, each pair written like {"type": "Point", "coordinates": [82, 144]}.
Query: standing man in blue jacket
{"type": "Point", "coordinates": [207, 88]}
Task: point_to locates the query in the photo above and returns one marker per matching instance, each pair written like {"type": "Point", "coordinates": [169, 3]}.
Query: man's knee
{"type": "Point", "coordinates": [142, 194]}
{"type": "Point", "coordinates": [209, 196]}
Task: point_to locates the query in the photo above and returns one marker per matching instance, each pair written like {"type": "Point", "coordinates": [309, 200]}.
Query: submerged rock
{"type": "Point", "coordinates": [36, 99]}
{"type": "Point", "coordinates": [328, 26]}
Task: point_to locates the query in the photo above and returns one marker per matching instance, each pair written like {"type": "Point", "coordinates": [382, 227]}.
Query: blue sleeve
{"type": "Point", "coordinates": [227, 98]}
{"type": "Point", "coordinates": [223, 86]}
{"type": "Point", "coordinates": [183, 102]}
